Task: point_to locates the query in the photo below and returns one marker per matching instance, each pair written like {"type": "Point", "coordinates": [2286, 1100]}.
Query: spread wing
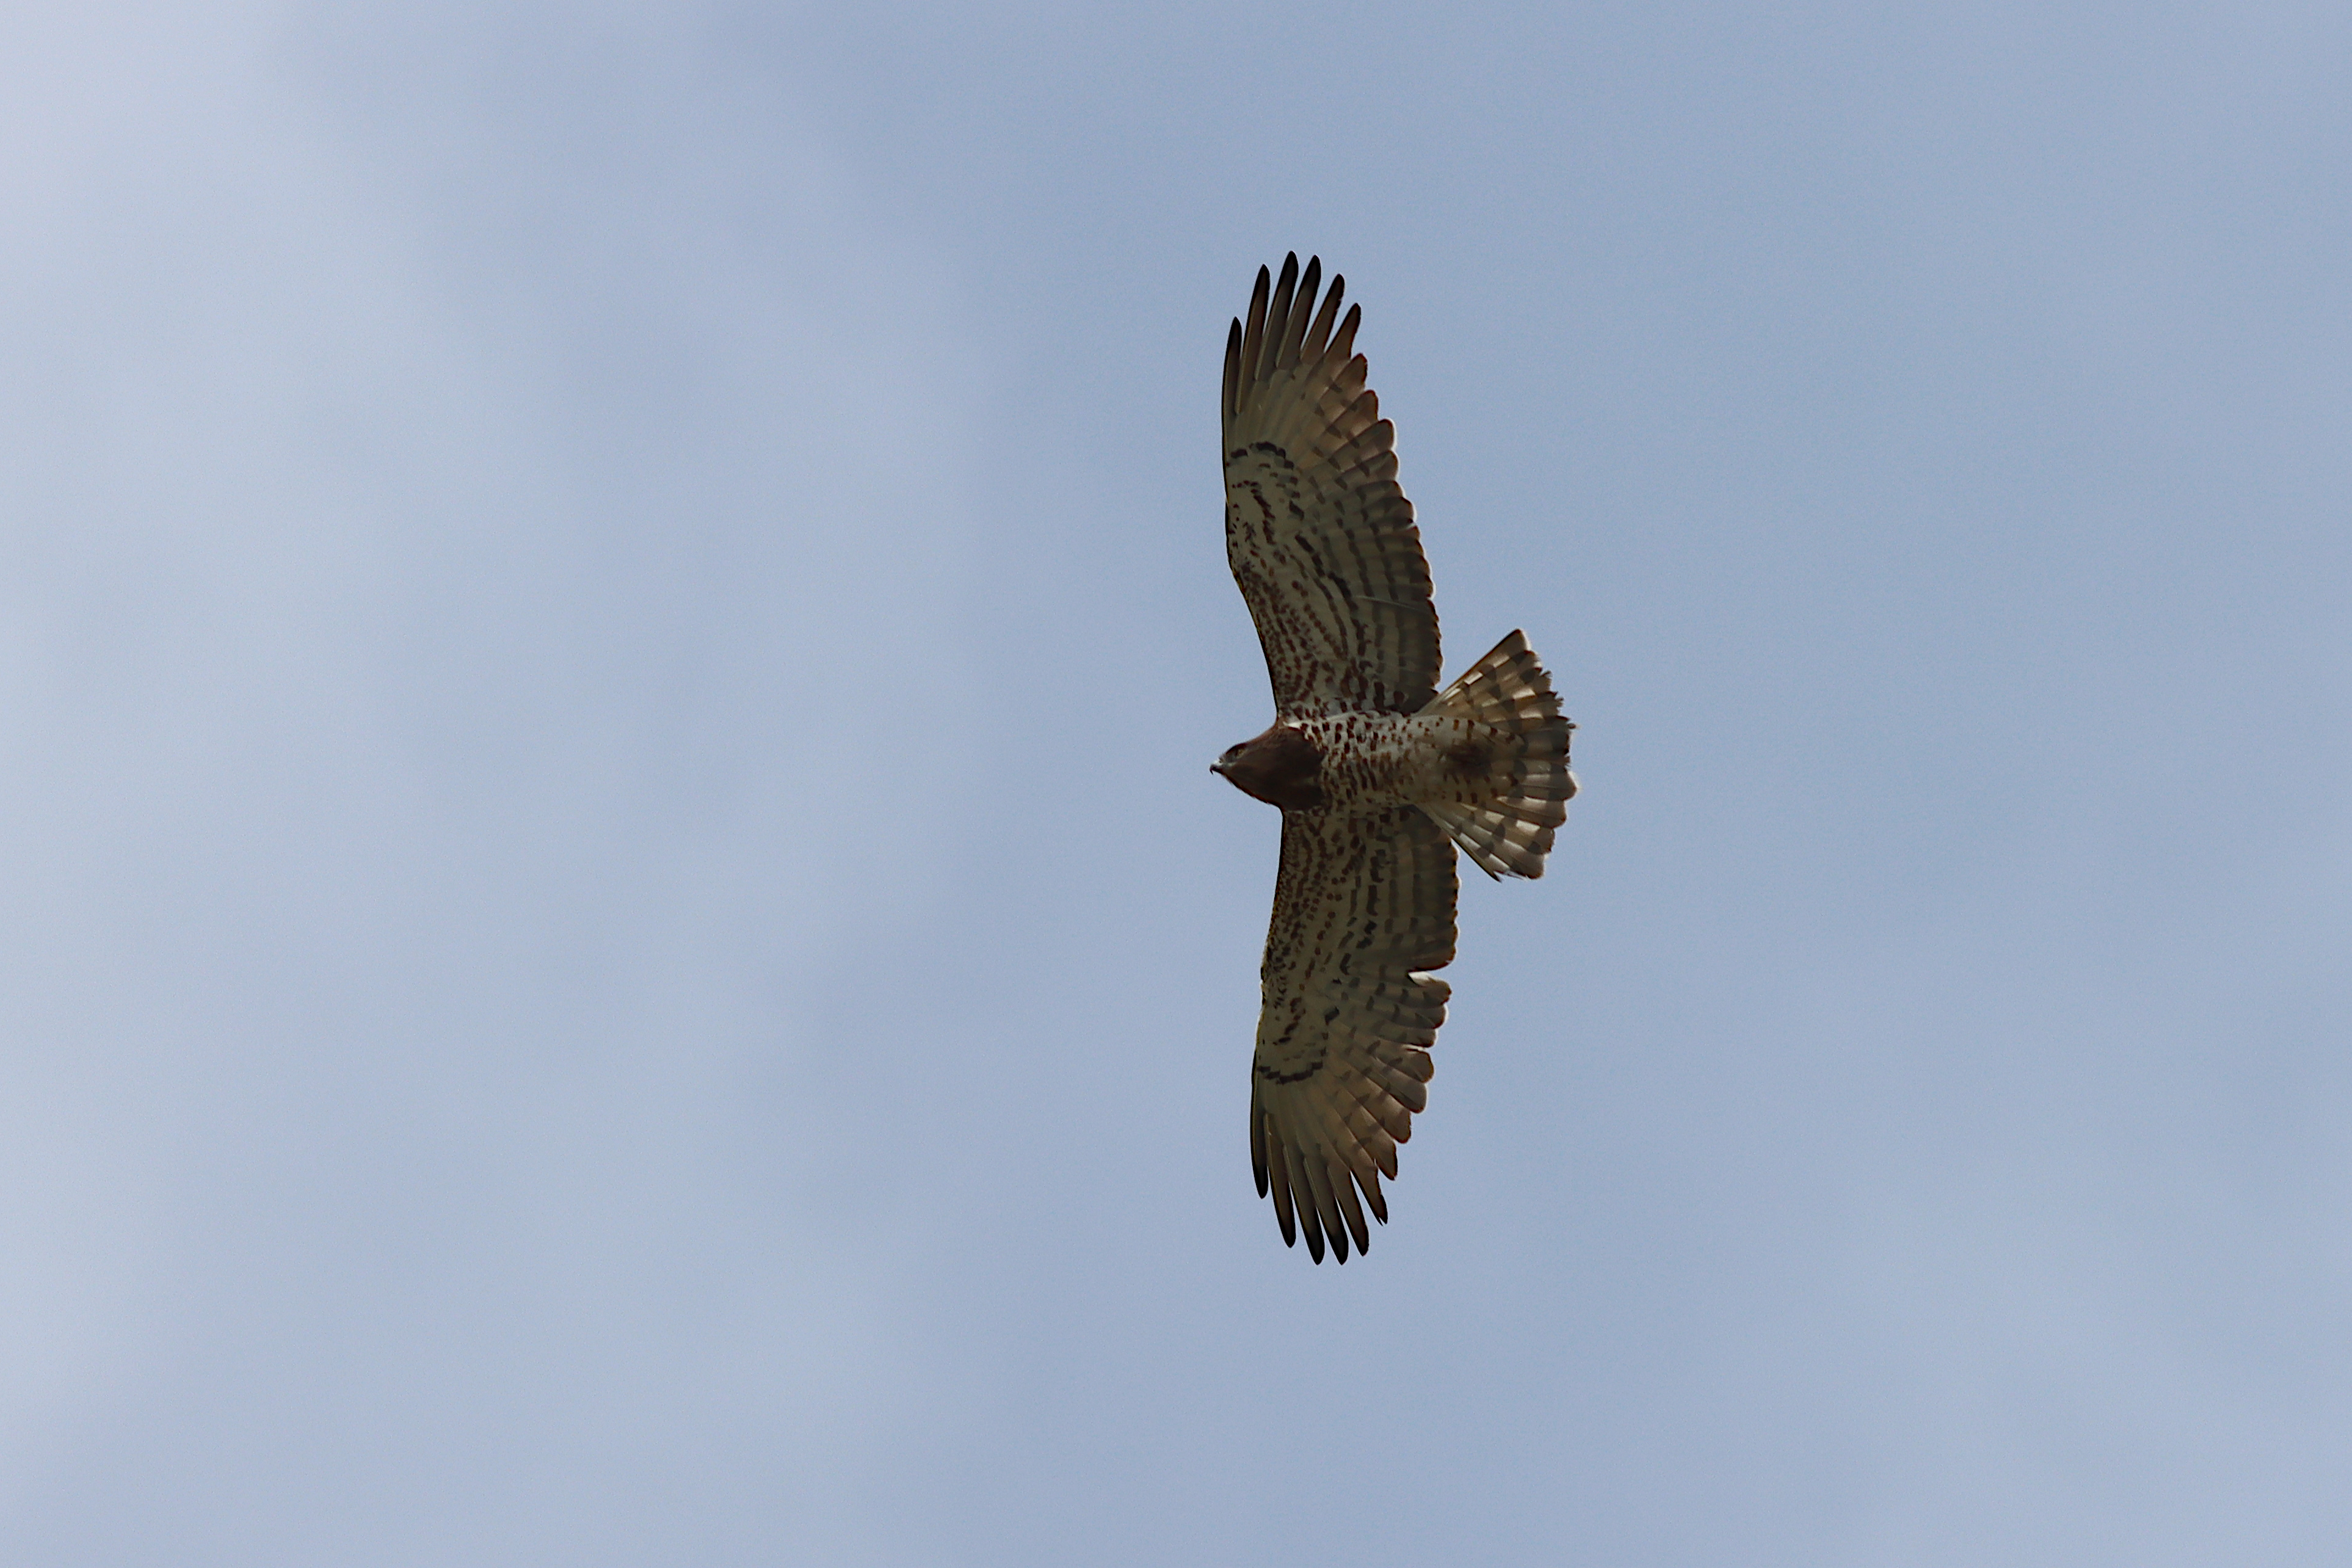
{"type": "Point", "coordinates": [1364, 905]}
{"type": "Point", "coordinates": [1320, 538]}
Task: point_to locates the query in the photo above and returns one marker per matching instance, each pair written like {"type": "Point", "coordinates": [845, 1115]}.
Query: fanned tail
{"type": "Point", "coordinates": [1506, 827]}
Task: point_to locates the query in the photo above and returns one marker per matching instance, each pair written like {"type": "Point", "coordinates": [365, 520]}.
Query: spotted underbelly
{"type": "Point", "coordinates": [1375, 761]}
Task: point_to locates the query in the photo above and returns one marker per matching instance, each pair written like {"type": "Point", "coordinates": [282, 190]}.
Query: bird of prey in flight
{"type": "Point", "coordinates": [1379, 774]}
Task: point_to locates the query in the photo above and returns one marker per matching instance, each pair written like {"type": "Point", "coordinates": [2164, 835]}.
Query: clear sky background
{"type": "Point", "coordinates": [619, 948]}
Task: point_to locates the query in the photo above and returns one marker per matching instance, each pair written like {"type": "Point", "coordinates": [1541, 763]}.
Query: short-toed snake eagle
{"type": "Point", "coordinates": [1374, 768]}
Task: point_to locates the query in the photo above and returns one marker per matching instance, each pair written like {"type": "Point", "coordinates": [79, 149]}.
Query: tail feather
{"type": "Point", "coordinates": [1507, 823]}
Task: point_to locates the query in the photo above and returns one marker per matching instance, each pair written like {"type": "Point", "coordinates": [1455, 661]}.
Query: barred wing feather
{"type": "Point", "coordinates": [1363, 908]}
{"type": "Point", "coordinates": [1320, 538]}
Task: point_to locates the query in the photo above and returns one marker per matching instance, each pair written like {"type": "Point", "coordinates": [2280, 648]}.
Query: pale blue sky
{"type": "Point", "coordinates": [619, 947]}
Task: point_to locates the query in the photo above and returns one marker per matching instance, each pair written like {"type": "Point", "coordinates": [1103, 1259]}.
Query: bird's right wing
{"type": "Point", "coordinates": [1362, 910]}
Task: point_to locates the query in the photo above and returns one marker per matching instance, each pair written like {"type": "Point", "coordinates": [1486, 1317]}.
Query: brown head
{"type": "Point", "coordinates": [1281, 767]}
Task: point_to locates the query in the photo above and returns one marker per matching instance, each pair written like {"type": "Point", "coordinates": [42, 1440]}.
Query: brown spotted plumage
{"type": "Point", "coordinates": [1378, 774]}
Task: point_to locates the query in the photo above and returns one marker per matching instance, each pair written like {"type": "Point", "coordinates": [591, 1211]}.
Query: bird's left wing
{"type": "Point", "coordinates": [1362, 910]}
{"type": "Point", "coordinates": [1320, 538]}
